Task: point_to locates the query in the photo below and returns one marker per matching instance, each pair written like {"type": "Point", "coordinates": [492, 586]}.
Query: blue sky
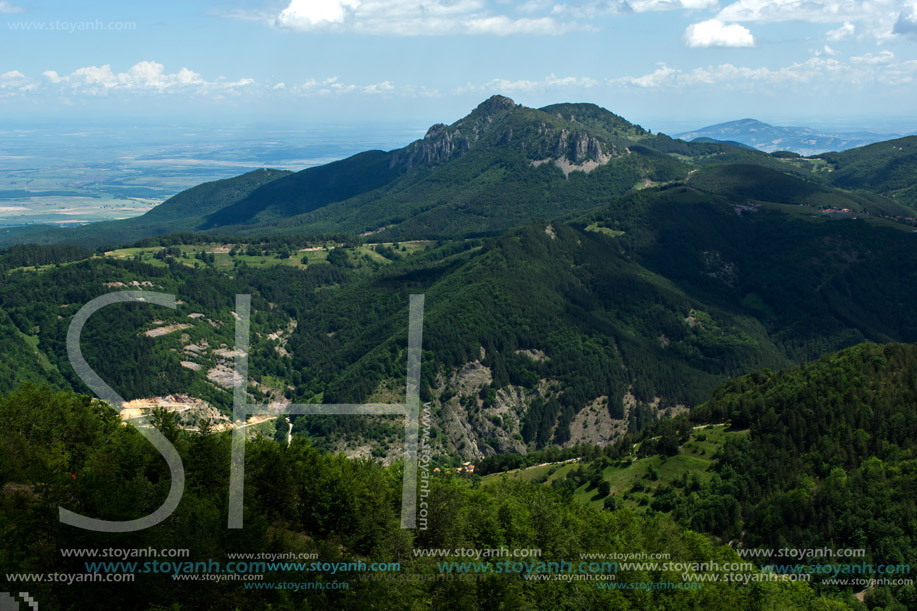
{"type": "Point", "coordinates": [667, 64]}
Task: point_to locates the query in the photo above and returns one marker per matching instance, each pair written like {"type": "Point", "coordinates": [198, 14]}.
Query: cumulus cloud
{"type": "Point", "coordinates": [715, 33]}
{"type": "Point", "coordinates": [304, 14]}
{"type": "Point", "coordinates": [146, 76]}
{"type": "Point", "coordinates": [844, 32]}
{"type": "Point", "coordinates": [6, 7]}
{"type": "Point", "coordinates": [52, 76]}
{"type": "Point", "coordinates": [412, 18]}
{"type": "Point", "coordinates": [13, 83]}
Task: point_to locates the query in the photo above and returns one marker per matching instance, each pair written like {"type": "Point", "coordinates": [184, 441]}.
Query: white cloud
{"type": "Point", "coordinates": [715, 33]}
{"type": "Point", "coordinates": [879, 19]}
{"type": "Point", "coordinates": [661, 76]}
{"type": "Point", "coordinates": [844, 32]}
{"type": "Point", "coordinates": [6, 7]}
{"type": "Point", "coordinates": [577, 9]}
{"type": "Point", "coordinates": [642, 6]}
{"type": "Point", "coordinates": [304, 14]}
{"type": "Point", "coordinates": [52, 76]}
{"type": "Point", "coordinates": [328, 86]}
{"type": "Point", "coordinates": [146, 76]}
{"type": "Point", "coordinates": [379, 88]}
{"type": "Point", "coordinates": [502, 26]}
{"type": "Point", "coordinates": [527, 86]}
{"type": "Point", "coordinates": [589, 9]}
{"type": "Point", "coordinates": [865, 71]}
{"type": "Point", "coordinates": [438, 17]}
{"type": "Point", "coordinates": [882, 58]}
{"type": "Point", "coordinates": [334, 86]}
{"type": "Point", "coordinates": [245, 82]}
{"type": "Point", "coordinates": [14, 82]}
{"type": "Point", "coordinates": [413, 18]}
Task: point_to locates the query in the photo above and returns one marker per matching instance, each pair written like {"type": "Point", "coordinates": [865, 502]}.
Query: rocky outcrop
{"type": "Point", "coordinates": [446, 142]}
{"type": "Point", "coordinates": [440, 144]}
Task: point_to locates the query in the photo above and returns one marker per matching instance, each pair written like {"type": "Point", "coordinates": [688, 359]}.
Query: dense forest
{"type": "Point", "coordinates": [655, 299]}
{"type": "Point", "coordinates": [62, 449]}
{"type": "Point", "coordinates": [821, 456]}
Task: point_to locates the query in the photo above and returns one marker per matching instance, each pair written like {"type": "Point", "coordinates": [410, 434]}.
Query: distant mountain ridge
{"type": "Point", "coordinates": [770, 138]}
{"type": "Point", "coordinates": [505, 165]}
{"type": "Point", "coordinates": [499, 167]}
{"type": "Point", "coordinates": [500, 143]}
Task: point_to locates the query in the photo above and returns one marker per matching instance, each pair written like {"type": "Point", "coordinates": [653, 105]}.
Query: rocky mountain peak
{"type": "Point", "coordinates": [494, 104]}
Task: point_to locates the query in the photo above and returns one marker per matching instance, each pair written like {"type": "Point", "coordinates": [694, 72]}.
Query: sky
{"type": "Point", "coordinates": [670, 65]}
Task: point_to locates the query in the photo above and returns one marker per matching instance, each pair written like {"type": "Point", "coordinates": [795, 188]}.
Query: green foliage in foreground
{"type": "Point", "coordinates": [831, 454]}
{"type": "Point", "coordinates": [821, 456]}
{"type": "Point", "coordinates": [60, 449]}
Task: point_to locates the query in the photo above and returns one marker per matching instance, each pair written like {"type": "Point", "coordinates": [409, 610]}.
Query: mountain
{"type": "Point", "coordinates": [502, 166]}
{"type": "Point", "coordinates": [705, 140]}
{"type": "Point", "coordinates": [499, 167]}
{"type": "Point", "coordinates": [887, 168]}
{"type": "Point", "coordinates": [651, 301]}
{"type": "Point", "coordinates": [595, 222]}
{"type": "Point", "coordinates": [582, 275]}
{"type": "Point", "coordinates": [770, 138]}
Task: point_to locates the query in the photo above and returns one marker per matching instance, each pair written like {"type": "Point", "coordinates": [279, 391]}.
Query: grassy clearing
{"type": "Point", "coordinates": [605, 230]}
{"type": "Point", "coordinates": [227, 257]}
{"type": "Point", "coordinates": [695, 458]}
